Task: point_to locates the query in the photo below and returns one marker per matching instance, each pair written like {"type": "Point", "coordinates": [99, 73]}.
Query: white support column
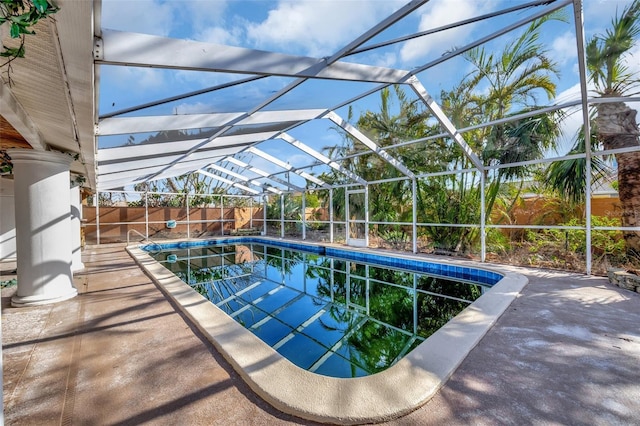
{"type": "Point", "coordinates": [346, 214]}
{"type": "Point", "coordinates": [366, 216]}
{"type": "Point", "coordinates": [251, 212]}
{"type": "Point", "coordinates": [281, 216]}
{"type": "Point", "coordinates": [331, 215]}
{"type": "Point", "coordinates": [265, 201]}
{"type": "Point", "coordinates": [414, 227]}
{"type": "Point", "coordinates": [483, 217]}
{"type": "Point", "coordinates": [188, 219]}
{"type": "Point", "coordinates": [304, 215]}
{"type": "Point", "coordinates": [76, 223]}
{"type": "Point", "coordinates": [43, 227]}
{"type": "Point", "coordinates": [7, 220]}
{"type": "Point", "coordinates": [97, 201]}
{"type": "Point", "coordinates": [582, 68]}
{"type": "Point", "coordinates": [146, 214]}
{"type": "Point", "coordinates": [221, 215]}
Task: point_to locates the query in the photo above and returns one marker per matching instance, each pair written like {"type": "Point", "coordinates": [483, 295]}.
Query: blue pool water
{"type": "Point", "coordinates": [334, 312]}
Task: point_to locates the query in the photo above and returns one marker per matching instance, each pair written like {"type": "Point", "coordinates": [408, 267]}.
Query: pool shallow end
{"type": "Point", "coordinates": [386, 395]}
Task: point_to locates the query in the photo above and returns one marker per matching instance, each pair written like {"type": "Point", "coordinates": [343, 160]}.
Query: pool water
{"type": "Point", "coordinates": [328, 315]}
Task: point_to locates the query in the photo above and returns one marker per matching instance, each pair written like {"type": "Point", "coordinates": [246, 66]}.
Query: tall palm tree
{"type": "Point", "coordinates": [616, 122]}
{"type": "Point", "coordinates": [568, 178]}
{"type": "Point", "coordinates": [511, 79]}
{"type": "Point", "coordinates": [613, 124]}
{"type": "Point", "coordinates": [516, 75]}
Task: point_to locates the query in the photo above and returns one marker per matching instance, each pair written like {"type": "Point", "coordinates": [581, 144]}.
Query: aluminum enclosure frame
{"type": "Point", "coordinates": [210, 157]}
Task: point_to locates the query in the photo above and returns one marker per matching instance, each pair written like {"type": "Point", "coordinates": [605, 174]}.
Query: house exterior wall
{"type": "Point", "coordinates": [7, 220]}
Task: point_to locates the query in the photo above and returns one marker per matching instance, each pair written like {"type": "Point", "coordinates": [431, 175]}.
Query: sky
{"type": "Point", "coordinates": [318, 28]}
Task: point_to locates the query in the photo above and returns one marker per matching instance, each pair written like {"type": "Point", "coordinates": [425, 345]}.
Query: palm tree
{"type": "Point", "coordinates": [613, 126]}
{"type": "Point", "coordinates": [514, 77]}
{"type": "Point", "coordinates": [616, 122]}
{"type": "Point", "coordinates": [503, 83]}
{"type": "Point", "coordinates": [567, 178]}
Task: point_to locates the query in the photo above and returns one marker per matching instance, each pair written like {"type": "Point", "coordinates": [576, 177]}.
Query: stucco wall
{"type": "Point", "coordinates": [7, 220]}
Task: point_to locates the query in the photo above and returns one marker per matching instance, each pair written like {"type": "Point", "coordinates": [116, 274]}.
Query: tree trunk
{"type": "Point", "coordinates": [617, 128]}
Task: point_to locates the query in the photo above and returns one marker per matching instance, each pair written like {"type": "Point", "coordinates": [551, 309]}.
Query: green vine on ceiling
{"type": "Point", "coordinates": [19, 16]}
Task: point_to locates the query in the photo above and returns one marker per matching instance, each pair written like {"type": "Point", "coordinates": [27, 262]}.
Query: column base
{"type": "Point", "coordinates": [23, 301]}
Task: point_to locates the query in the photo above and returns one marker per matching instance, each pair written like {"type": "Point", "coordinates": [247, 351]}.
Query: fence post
{"type": "Point", "coordinates": [281, 216]}
{"type": "Point", "coordinates": [146, 213]}
{"type": "Point", "coordinates": [188, 221]}
{"type": "Point", "coordinates": [331, 215]}
{"type": "Point", "coordinates": [304, 215]}
{"type": "Point", "coordinates": [98, 217]}
{"type": "Point", "coordinates": [483, 217]}
{"type": "Point", "coordinates": [414, 230]}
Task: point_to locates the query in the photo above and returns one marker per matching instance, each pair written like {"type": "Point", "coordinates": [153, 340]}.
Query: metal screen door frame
{"type": "Point", "coordinates": [357, 218]}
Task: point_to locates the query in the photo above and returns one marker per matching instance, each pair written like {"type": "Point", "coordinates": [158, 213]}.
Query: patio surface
{"type": "Point", "coordinates": [567, 351]}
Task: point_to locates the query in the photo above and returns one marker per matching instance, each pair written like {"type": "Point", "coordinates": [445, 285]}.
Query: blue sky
{"type": "Point", "coordinates": [318, 28]}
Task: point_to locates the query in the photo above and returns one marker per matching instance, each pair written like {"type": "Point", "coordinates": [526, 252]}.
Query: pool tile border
{"type": "Point", "coordinates": [383, 396]}
{"type": "Point", "coordinates": [477, 274]}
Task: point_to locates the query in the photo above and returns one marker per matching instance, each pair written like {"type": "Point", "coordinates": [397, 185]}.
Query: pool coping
{"type": "Point", "coordinates": [396, 391]}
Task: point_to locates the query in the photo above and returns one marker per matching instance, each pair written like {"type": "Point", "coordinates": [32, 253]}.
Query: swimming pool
{"type": "Point", "coordinates": [328, 315]}
{"type": "Point", "coordinates": [397, 390]}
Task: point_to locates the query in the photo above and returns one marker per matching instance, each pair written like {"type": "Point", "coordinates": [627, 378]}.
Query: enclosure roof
{"type": "Point", "coordinates": [242, 120]}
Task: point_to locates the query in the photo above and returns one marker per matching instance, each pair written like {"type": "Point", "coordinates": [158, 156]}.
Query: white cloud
{"type": "Point", "coordinates": [140, 16]}
{"type": "Point", "coordinates": [297, 160]}
{"type": "Point", "coordinates": [387, 59]}
{"type": "Point", "coordinates": [436, 14]}
{"type": "Point", "coordinates": [134, 80]}
{"type": "Point", "coordinates": [316, 28]}
{"type": "Point", "coordinates": [632, 60]}
{"type": "Point", "coordinates": [201, 14]}
{"type": "Point", "coordinates": [219, 35]}
{"type": "Point", "coordinates": [563, 48]}
{"type": "Point", "coordinates": [193, 108]}
{"type": "Point", "coordinates": [573, 119]}
{"type": "Point", "coordinates": [598, 13]}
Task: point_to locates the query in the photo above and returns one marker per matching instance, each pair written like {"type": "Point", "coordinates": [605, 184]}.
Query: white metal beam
{"type": "Point", "coordinates": [460, 50]}
{"type": "Point", "coordinates": [287, 167]}
{"type": "Point", "coordinates": [179, 147]}
{"type": "Point", "coordinates": [444, 121]}
{"type": "Point", "coordinates": [262, 173]}
{"type": "Point", "coordinates": [311, 178]}
{"type": "Point", "coordinates": [125, 125]}
{"type": "Point", "coordinates": [322, 158]}
{"type": "Point", "coordinates": [269, 158]}
{"type": "Point", "coordinates": [320, 69]}
{"type": "Point", "coordinates": [377, 29]}
{"type": "Point", "coordinates": [242, 178]}
{"type": "Point", "coordinates": [144, 170]}
{"type": "Point", "coordinates": [136, 164]}
{"type": "Point", "coordinates": [369, 144]}
{"type": "Point", "coordinates": [134, 49]}
{"type": "Point", "coordinates": [230, 182]}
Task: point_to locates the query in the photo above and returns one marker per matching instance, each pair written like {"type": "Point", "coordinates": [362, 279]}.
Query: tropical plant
{"type": "Point", "coordinates": [613, 124]}
{"type": "Point", "coordinates": [501, 84]}
{"type": "Point", "coordinates": [615, 121]}
{"type": "Point", "coordinates": [513, 78]}
{"type": "Point", "coordinates": [568, 177]}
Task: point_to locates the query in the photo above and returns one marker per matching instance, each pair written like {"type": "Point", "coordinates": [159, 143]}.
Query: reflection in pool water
{"type": "Point", "coordinates": [331, 316]}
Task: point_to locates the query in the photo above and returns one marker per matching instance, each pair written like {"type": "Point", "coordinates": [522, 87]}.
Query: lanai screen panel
{"type": "Point", "coordinates": [328, 59]}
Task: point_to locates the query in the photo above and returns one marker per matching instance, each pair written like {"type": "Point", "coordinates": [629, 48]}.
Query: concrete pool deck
{"type": "Point", "coordinates": [566, 351]}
